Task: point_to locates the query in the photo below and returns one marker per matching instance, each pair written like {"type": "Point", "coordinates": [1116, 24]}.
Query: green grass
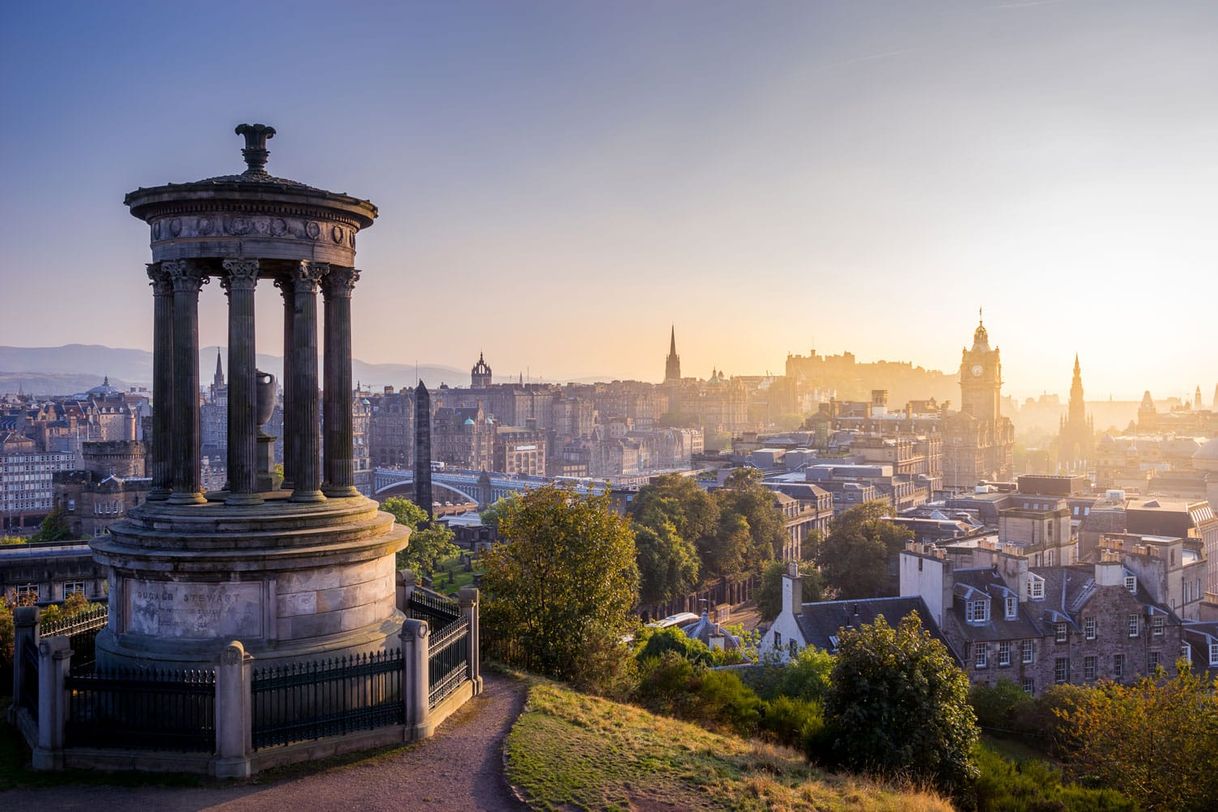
{"type": "Point", "coordinates": [569, 750]}
{"type": "Point", "coordinates": [450, 576]}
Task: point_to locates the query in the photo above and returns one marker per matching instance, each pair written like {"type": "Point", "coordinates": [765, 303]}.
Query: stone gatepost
{"type": "Point", "coordinates": [468, 598]}
{"type": "Point", "coordinates": [416, 639]}
{"type": "Point", "coordinates": [405, 586]}
{"type": "Point", "coordinates": [25, 635]}
{"type": "Point", "coordinates": [234, 712]}
{"type": "Point", "coordinates": [54, 660]}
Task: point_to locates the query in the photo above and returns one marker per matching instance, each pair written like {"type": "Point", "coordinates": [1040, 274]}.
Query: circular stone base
{"type": "Point", "coordinates": [289, 580]}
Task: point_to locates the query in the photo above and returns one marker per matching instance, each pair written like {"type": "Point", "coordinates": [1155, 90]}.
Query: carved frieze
{"type": "Point", "coordinates": [216, 224]}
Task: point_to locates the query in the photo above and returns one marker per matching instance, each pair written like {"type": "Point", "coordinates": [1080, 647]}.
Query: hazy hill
{"type": "Point", "coordinates": [76, 367]}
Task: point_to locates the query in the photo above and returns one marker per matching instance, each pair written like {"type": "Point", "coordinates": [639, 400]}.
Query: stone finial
{"type": "Point", "coordinates": [255, 152]}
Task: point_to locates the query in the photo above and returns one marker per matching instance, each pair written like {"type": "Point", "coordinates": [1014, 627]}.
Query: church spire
{"type": "Point", "coordinates": [217, 380]}
{"type": "Point", "coordinates": [672, 364]}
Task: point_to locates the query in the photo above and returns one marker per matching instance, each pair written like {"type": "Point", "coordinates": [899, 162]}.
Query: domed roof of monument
{"type": "Point", "coordinates": [104, 389]}
{"type": "Point", "coordinates": [253, 185]}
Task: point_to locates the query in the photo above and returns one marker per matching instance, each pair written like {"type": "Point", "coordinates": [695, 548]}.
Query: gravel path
{"type": "Point", "coordinates": [460, 768]}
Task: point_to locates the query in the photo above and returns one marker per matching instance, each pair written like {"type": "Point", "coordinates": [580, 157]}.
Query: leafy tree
{"type": "Point", "coordinates": [430, 544]}
{"type": "Point", "coordinates": [898, 705]}
{"type": "Point", "coordinates": [1156, 740]}
{"type": "Point", "coordinates": [54, 527]}
{"type": "Point", "coordinates": [726, 551]}
{"type": "Point", "coordinates": [679, 500]}
{"type": "Point", "coordinates": [490, 517]}
{"type": "Point", "coordinates": [744, 495]}
{"type": "Point", "coordinates": [563, 580]}
{"type": "Point", "coordinates": [855, 558]}
{"type": "Point", "coordinates": [668, 564]}
{"type": "Point", "coordinates": [769, 591]}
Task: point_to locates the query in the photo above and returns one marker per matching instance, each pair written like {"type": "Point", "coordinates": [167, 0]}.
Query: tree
{"type": "Point", "coordinates": [430, 544]}
{"type": "Point", "coordinates": [898, 705]}
{"type": "Point", "coordinates": [744, 495]}
{"type": "Point", "coordinates": [490, 516]}
{"type": "Point", "coordinates": [856, 556]}
{"type": "Point", "coordinates": [726, 552]}
{"type": "Point", "coordinates": [769, 591]}
{"type": "Point", "coordinates": [1155, 740]}
{"type": "Point", "coordinates": [561, 583]}
{"type": "Point", "coordinates": [668, 564]}
{"type": "Point", "coordinates": [54, 527]}
{"type": "Point", "coordinates": [679, 500]}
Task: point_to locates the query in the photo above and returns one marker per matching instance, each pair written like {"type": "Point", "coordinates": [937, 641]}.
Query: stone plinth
{"type": "Point", "coordinates": [290, 580]}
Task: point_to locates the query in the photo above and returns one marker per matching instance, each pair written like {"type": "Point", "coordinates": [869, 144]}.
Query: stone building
{"type": "Point", "coordinates": [519, 451]}
{"type": "Point", "coordinates": [1040, 626]}
{"type": "Point", "coordinates": [47, 574]}
{"type": "Point", "coordinates": [480, 375]}
{"type": "Point", "coordinates": [463, 438]}
{"type": "Point", "coordinates": [26, 480]}
{"type": "Point", "coordinates": [391, 428]}
{"type": "Point", "coordinates": [111, 483]}
{"type": "Point", "coordinates": [979, 443]}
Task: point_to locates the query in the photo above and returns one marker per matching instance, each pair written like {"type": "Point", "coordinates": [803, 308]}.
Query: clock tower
{"type": "Point", "coordinates": [981, 378]}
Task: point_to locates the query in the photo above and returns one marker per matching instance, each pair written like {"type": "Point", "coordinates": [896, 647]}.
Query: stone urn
{"type": "Point", "coordinates": [266, 397]}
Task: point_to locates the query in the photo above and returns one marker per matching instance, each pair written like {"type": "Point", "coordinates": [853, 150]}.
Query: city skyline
{"type": "Point", "coordinates": [565, 183]}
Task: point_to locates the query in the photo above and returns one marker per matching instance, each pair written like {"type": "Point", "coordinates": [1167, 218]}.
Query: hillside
{"type": "Point", "coordinates": [570, 750]}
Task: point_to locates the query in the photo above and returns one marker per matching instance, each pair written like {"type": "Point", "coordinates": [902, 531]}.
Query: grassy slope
{"type": "Point", "coordinates": [572, 750]}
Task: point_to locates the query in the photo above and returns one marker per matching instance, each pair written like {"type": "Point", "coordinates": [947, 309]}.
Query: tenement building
{"type": "Point", "coordinates": [979, 443]}
{"type": "Point", "coordinates": [112, 482]}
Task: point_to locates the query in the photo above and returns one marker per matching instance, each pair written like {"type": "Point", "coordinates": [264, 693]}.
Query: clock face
{"type": "Point", "coordinates": [977, 370]}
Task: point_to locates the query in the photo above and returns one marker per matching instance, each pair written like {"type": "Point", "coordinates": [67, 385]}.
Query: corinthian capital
{"type": "Point", "coordinates": [242, 274]}
{"type": "Point", "coordinates": [185, 275]}
{"type": "Point", "coordinates": [158, 277]}
{"type": "Point", "coordinates": [306, 275]}
{"type": "Point", "coordinates": [340, 281]}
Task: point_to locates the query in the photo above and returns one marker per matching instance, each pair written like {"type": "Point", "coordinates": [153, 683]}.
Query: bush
{"type": "Point", "coordinates": [1034, 786]}
{"type": "Point", "coordinates": [652, 643]}
{"type": "Point", "coordinates": [793, 722]}
{"type": "Point", "coordinates": [1001, 708]}
{"type": "Point", "coordinates": [674, 686]}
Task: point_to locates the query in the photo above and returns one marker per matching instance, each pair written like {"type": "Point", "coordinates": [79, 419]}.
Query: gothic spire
{"type": "Point", "coordinates": [672, 342]}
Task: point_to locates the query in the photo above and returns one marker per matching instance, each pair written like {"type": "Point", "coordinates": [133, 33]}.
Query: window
{"type": "Point", "coordinates": [1089, 627]}
{"type": "Point", "coordinates": [777, 639]}
{"type": "Point", "coordinates": [71, 588]}
{"type": "Point", "coordinates": [1027, 652]}
{"type": "Point", "coordinates": [1131, 584]}
{"type": "Point", "coordinates": [1156, 625]}
{"type": "Point", "coordinates": [792, 648]}
{"type": "Point", "coordinates": [977, 611]}
{"type": "Point", "coordinates": [1118, 666]}
{"type": "Point", "coordinates": [1059, 632]}
{"type": "Point", "coordinates": [1152, 662]}
{"type": "Point", "coordinates": [1061, 670]}
{"type": "Point", "coordinates": [1186, 653]}
{"type": "Point", "coordinates": [1012, 606]}
{"type": "Point", "coordinates": [1004, 653]}
{"type": "Point", "coordinates": [1048, 558]}
{"type": "Point", "coordinates": [27, 594]}
{"type": "Point", "coordinates": [1036, 587]}
{"type": "Point", "coordinates": [1213, 653]}
{"type": "Point", "coordinates": [1029, 686]}
{"type": "Point", "coordinates": [983, 655]}
{"type": "Point", "coordinates": [1089, 669]}
{"type": "Point", "coordinates": [1133, 625]}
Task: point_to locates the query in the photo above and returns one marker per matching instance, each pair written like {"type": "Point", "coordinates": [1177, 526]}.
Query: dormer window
{"type": "Point", "coordinates": [1131, 583]}
{"type": "Point", "coordinates": [1036, 587]}
{"type": "Point", "coordinates": [977, 610]}
{"type": "Point", "coordinates": [1011, 606]}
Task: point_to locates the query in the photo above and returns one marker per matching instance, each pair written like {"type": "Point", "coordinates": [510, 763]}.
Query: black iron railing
{"type": "Point", "coordinates": [306, 701]}
{"type": "Point", "coordinates": [447, 660]}
{"type": "Point", "coordinates": [29, 678]}
{"type": "Point", "coordinates": [162, 710]}
{"type": "Point", "coordinates": [435, 609]}
{"type": "Point", "coordinates": [81, 630]}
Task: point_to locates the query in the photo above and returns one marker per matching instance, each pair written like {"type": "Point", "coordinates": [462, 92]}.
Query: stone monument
{"type": "Point", "coordinates": [294, 569]}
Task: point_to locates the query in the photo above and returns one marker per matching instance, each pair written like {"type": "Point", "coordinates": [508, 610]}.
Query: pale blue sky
{"type": "Point", "coordinates": [560, 181]}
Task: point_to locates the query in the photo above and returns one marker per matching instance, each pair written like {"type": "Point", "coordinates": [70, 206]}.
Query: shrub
{"type": "Point", "coordinates": [674, 686]}
{"type": "Point", "coordinates": [791, 721]}
{"type": "Point", "coordinates": [653, 643]}
{"type": "Point", "coordinates": [1002, 706]}
{"type": "Point", "coordinates": [1034, 786]}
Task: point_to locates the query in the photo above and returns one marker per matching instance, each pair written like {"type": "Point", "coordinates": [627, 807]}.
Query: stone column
{"type": "Point", "coordinates": [307, 479]}
{"type": "Point", "coordinates": [468, 598]}
{"type": "Point", "coordinates": [239, 284]}
{"type": "Point", "coordinates": [291, 432]}
{"type": "Point", "coordinates": [415, 639]}
{"type": "Point", "coordinates": [187, 278]}
{"type": "Point", "coordinates": [54, 659]}
{"type": "Point", "coordinates": [25, 633]}
{"type": "Point", "coordinates": [234, 712]}
{"type": "Point", "coordinates": [404, 588]}
{"type": "Point", "coordinates": [337, 432]}
{"type": "Point", "coordinates": [162, 383]}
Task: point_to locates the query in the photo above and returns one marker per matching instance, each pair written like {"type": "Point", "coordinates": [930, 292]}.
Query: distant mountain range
{"type": "Point", "coordinates": [76, 367]}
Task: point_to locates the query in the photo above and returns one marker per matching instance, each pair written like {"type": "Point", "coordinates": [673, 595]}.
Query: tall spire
{"type": "Point", "coordinates": [672, 364]}
{"type": "Point", "coordinates": [217, 380]}
{"type": "Point", "coordinates": [672, 342]}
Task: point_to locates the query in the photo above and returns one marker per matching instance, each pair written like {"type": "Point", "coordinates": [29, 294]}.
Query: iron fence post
{"type": "Point", "coordinates": [54, 660]}
{"type": "Point", "coordinates": [415, 687]}
{"type": "Point", "coordinates": [468, 598]}
{"type": "Point", "coordinates": [234, 720]}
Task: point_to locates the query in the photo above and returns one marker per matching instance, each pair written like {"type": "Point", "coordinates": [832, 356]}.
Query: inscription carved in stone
{"type": "Point", "coordinates": [194, 611]}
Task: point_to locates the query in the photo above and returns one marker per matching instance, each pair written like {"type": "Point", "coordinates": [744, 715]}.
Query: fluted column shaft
{"type": "Point", "coordinates": [187, 278]}
{"type": "Point", "coordinates": [240, 284]}
{"type": "Point", "coordinates": [162, 383]}
{"type": "Point", "coordinates": [290, 430]}
{"type": "Point", "coordinates": [337, 430]}
{"type": "Point", "coordinates": [307, 480]}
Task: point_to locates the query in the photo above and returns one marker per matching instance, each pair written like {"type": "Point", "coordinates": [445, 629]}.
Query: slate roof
{"type": "Point", "coordinates": [820, 622]}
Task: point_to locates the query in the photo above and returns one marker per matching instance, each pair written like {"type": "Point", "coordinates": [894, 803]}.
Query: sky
{"type": "Point", "coordinates": [559, 182]}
